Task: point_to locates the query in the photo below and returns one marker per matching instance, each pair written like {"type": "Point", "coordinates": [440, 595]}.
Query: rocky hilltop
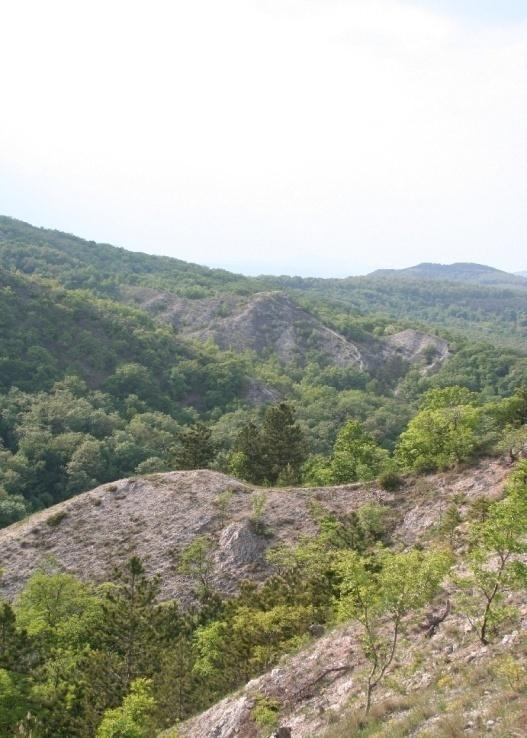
{"type": "Point", "coordinates": [157, 516]}
{"type": "Point", "coordinates": [267, 322]}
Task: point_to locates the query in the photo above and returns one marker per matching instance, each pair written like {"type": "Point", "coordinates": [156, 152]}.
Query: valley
{"type": "Point", "coordinates": [226, 500]}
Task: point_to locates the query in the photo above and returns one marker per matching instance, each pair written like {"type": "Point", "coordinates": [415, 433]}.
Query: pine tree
{"type": "Point", "coordinates": [179, 690]}
{"type": "Point", "coordinates": [15, 645]}
{"type": "Point", "coordinates": [282, 442]}
{"type": "Point", "coordinates": [246, 461]}
{"type": "Point", "coordinates": [273, 453]}
{"type": "Point", "coordinates": [130, 622]}
{"type": "Point", "coordinates": [196, 449]}
{"type": "Point", "coordinates": [17, 658]}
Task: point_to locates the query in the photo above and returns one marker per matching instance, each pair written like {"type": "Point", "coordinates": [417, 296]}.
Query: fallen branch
{"type": "Point", "coordinates": [434, 621]}
{"type": "Point", "coordinates": [320, 677]}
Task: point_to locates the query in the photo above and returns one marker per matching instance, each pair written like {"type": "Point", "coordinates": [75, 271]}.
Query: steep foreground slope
{"type": "Point", "coordinates": [446, 686]}
{"type": "Point", "coordinates": [443, 684]}
{"type": "Point", "coordinates": [442, 687]}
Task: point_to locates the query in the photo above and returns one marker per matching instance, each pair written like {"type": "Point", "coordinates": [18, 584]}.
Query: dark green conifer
{"type": "Point", "coordinates": [196, 449]}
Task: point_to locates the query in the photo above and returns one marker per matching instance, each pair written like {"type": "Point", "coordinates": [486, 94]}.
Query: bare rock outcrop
{"type": "Point", "coordinates": [265, 322]}
{"type": "Point", "coordinates": [417, 347]}
{"type": "Point", "coordinates": [272, 323]}
{"type": "Point", "coordinates": [239, 554]}
{"type": "Point", "coordinates": [157, 516]}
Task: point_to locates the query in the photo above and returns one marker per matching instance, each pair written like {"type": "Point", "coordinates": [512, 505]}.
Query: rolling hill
{"type": "Point", "coordinates": [474, 300]}
{"type": "Point", "coordinates": [467, 273]}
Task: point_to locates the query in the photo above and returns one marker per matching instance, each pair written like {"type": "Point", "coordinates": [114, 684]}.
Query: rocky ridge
{"type": "Point", "coordinates": [157, 516]}
{"type": "Point", "coordinates": [272, 323]}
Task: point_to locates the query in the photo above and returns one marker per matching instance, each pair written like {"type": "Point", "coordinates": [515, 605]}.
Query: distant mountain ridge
{"type": "Point", "coordinates": [75, 262]}
{"type": "Point", "coordinates": [473, 299]}
{"type": "Point", "coordinates": [467, 272]}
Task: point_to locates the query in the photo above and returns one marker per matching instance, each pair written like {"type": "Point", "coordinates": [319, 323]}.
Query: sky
{"type": "Point", "coordinates": [312, 137]}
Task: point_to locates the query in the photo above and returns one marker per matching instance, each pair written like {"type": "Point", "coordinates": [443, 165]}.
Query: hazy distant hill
{"type": "Point", "coordinates": [459, 272]}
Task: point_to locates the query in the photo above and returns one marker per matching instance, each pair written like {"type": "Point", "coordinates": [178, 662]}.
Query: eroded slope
{"type": "Point", "coordinates": [157, 516]}
{"type": "Point", "coordinates": [271, 323]}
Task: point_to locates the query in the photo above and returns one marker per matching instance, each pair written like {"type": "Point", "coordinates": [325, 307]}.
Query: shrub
{"type": "Point", "coordinates": [12, 508]}
{"type": "Point", "coordinates": [56, 519]}
{"type": "Point", "coordinates": [265, 713]}
{"type": "Point", "coordinates": [222, 503]}
{"type": "Point", "coordinates": [258, 505]}
{"type": "Point", "coordinates": [372, 518]}
{"type": "Point", "coordinates": [390, 481]}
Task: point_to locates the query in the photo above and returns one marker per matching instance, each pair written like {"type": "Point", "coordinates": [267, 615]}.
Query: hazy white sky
{"type": "Point", "coordinates": [325, 137]}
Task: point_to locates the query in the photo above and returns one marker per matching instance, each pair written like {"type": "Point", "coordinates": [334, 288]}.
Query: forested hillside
{"type": "Point", "coordinates": [478, 312]}
{"type": "Point", "coordinates": [77, 263]}
{"type": "Point", "coordinates": [477, 301]}
{"type": "Point", "coordinates": [114, 363]}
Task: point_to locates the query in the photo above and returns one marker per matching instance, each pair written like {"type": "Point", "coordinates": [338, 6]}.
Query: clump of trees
{"type": "Point", "coordinates": [451, 427]}
{"type": "Point", "coordinates": [356, 456]}
{"type": "Point", "coordinates": [439, 438]}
